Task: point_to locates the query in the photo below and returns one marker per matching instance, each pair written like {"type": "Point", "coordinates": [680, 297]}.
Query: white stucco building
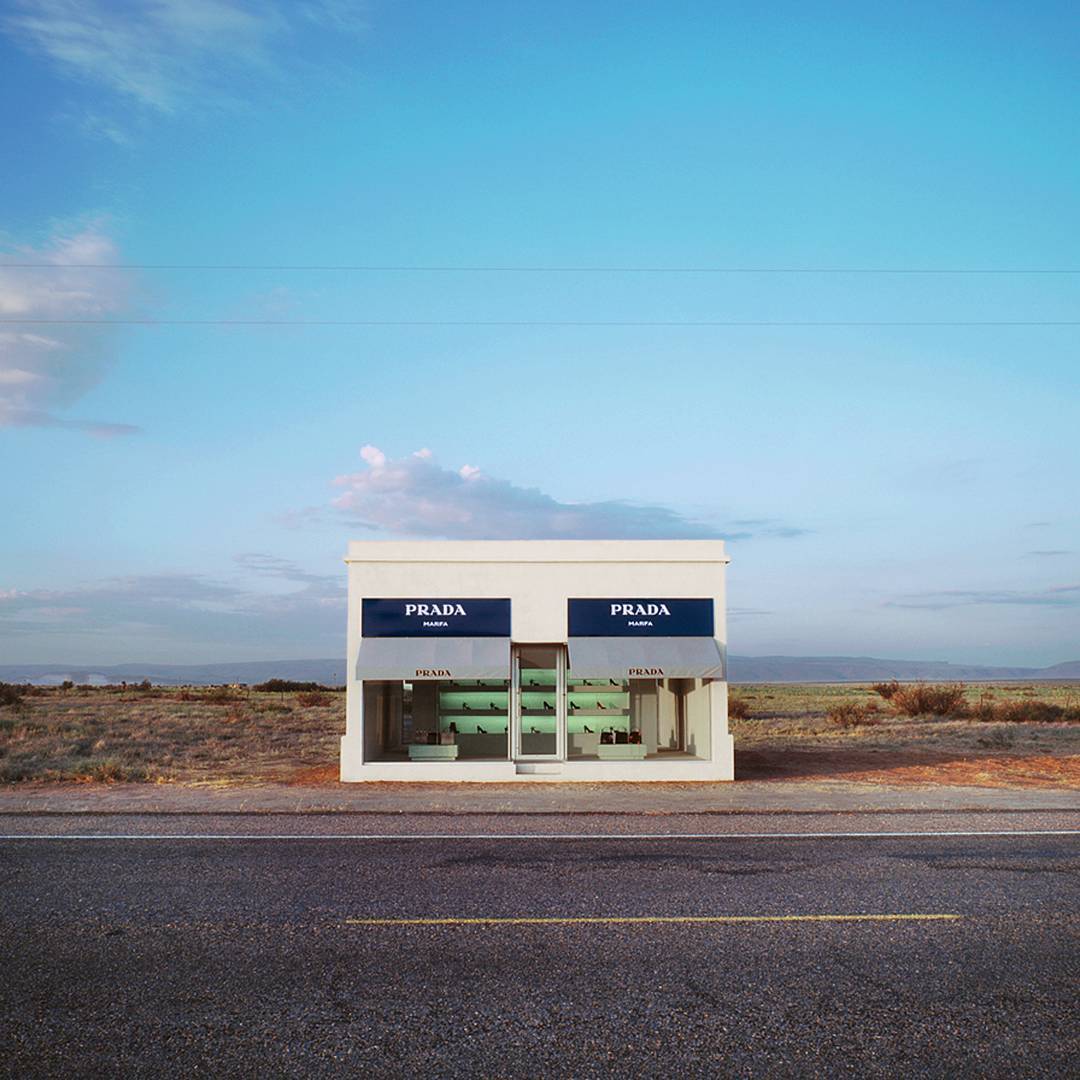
{"type": "Point", "coordinates": [542, 660]}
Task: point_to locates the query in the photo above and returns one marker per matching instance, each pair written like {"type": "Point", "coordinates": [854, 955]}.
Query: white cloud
{"type": "Point", "coordinates": [43, 368]}
{"type": "Point", "coordinates": [415, 496]}
{"type": "Point", "coordinates": [164, 54]}
{"type": "Point", "coordinates": [373, 456]}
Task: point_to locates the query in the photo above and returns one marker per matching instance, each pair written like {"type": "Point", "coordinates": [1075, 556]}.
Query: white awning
{"type": "Point", "coordinates": [646, 658]}
{"type": "Point", "coordinates": [416, 659]}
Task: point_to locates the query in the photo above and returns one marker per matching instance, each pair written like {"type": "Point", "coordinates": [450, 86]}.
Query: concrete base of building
{"type": "Point", "coordinates": [661, 769]}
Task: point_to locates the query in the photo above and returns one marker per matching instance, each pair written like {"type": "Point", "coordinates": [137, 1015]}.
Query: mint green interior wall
{"type": "Point", "coordinates": [479, 709]}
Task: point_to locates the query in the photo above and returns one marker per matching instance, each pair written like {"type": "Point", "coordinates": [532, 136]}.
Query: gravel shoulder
{"type": "Point", "coordinates": [749, 797]}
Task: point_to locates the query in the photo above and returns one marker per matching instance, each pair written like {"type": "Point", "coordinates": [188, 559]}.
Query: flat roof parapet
{"type": "Point", "coordinates": [537, 551]}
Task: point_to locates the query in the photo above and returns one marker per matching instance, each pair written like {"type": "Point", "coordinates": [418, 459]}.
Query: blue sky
{"type": "Point", "coordinates": [186, 492]}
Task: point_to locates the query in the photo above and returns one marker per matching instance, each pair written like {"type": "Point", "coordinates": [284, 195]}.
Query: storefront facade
{"type": "Point", "coordinates": [537, 660]}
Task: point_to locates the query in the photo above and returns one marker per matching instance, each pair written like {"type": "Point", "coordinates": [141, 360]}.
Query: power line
{"type": "Point", "coordinates": [543, 322]}
{"type": "Point", "coordinates": [440, 269]}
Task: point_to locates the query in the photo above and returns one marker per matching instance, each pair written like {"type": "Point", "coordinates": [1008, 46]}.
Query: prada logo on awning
{"type": "Point", "coordinates": [645, 672]}
{"type": "Point", "coordinates": [432, 673]}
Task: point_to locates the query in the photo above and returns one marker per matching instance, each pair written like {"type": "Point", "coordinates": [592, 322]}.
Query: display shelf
{"type": "Point", "coordinates": [472, 693]}
{"type": "Point", "coordinates": [471, 729]}
{"type": "Point", "coordinates": [474, 686]}
{"type": "Point", "coordinates": [474, 701]}
{"type": "Point", "coordinates": [470, 704]}
{"type": "Point", "coordinates": [538, 679]}
{"type": "Point", "coordinates": [612, 714]}
{"type": "Point", "coordinates": [539, 703]}
{"type": "Point", "coordinates": [545, 725]}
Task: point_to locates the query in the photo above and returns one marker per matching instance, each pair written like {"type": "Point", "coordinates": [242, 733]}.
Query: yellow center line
{"type": "Point", "coordinates": [563, 920]}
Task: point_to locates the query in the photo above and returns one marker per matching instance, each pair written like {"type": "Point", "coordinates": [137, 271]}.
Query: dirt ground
{"type": "Point", "coordinates": [238, 736]}
{"type": "Point", "coordinates": [788, 736]}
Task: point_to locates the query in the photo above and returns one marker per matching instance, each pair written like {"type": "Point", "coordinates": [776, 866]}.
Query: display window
{"type": "Point", "coordinates": [557, 712]}
{"type": "Point", "coordinates": [437, 720]}
{"type": "Point", "coordinates": [627, 719]}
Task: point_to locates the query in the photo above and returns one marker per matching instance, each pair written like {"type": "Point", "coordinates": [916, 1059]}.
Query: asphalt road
{"type": "Point", "coordinates": [250, 955]}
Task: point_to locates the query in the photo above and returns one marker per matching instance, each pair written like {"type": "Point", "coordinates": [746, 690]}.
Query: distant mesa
{"type": "Point", "coordinates": [331, 672]}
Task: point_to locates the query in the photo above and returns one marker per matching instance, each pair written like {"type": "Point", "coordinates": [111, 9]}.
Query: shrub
{"type": "Point", "coordinates": [1028, 712]}
{"type": "Point", "coordinates": [313, 699]}
{"type": "Point", "coordinates": [10, 694]}
{"type": "Point", "coordinates": [220, 695]}
{"type": "Point", "coordinates": [287, 686]}
{"type": "Point", "coordinates": [920, 699]}
{"type": "Point", "coordinates": [886, 689]}
{"type": "Point", "coordinates": [107, 771]}
{"type": "Point", "coordinates": [853, 714]}
{"type": "Point", "coordinates": [738, 708]}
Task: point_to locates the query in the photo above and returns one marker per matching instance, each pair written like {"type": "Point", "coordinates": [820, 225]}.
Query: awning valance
{"type": "Point", "coordinates": [646, 658]}
{"type": "Point", "coordinates": [417, 659]}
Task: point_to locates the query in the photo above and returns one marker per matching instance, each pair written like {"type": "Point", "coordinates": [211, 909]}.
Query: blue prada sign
{"type": "Point", "coordinates": [438, 617]}
{"type": "Point", "coordinates": [635, 617]}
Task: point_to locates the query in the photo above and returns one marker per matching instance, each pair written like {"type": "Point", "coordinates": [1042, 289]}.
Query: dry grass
{"type": "Point", "coordinates": [849, 714]}
{"type": "Point", "coordinates": [1003, 735]}
{"type": "Point", "coordinates": [191, 734]}
{"type": "Point", "coordinates": [1015, 734]}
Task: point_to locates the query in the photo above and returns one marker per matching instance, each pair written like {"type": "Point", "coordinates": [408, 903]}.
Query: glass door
{"type": "Point", "coordinates": [539, 712]}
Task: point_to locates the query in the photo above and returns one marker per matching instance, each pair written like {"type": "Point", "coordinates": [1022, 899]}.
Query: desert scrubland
{"type": "Point", "coordinates": [987, 734]}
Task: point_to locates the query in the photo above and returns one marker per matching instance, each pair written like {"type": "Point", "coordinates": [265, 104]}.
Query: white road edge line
{"type": "Point", "coordinates": [542, 836]}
